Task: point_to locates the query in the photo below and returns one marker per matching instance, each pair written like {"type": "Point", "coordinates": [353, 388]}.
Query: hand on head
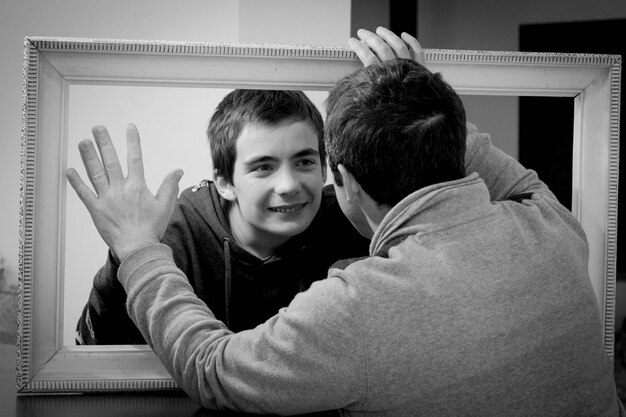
{"type": "Point", "coordinates": [384, 45]}
{"type": "Point", "coordinates": [123, 210]}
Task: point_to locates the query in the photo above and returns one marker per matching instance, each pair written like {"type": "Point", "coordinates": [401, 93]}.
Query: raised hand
{"type": "Point", "coordinates": [372, 48]}
{"type": "Point", "coordinates": [126, 214]}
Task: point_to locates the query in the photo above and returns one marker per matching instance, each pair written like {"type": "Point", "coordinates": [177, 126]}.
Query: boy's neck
{"type": "Point", "coordinates": [261, 245]}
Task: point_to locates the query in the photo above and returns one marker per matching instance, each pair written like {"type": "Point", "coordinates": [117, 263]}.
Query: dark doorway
{"type": "Point", "coordinates": [546, 123]}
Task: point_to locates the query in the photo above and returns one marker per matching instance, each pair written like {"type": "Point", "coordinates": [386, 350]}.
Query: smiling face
{"type": "Point", "coordinates": [277, 184]}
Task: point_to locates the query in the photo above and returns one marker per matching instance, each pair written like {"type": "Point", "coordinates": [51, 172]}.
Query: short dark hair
{"type": "Point", "coordinates": [396, 127]}
{"type": "Point", "coordinates": [243, 107]}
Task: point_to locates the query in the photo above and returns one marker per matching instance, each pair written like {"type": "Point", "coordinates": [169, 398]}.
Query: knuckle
{"type": "Point", "coordinates": [135, 187]}
{"type": "Point", "coordinates": [378, 42]}
{"type": "Point", "coordinates": [111, 165]}
{"type": "Point", "coordinates": [98, 175]}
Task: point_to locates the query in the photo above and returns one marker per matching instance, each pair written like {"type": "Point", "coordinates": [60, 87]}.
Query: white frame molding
{"type": "Point", "coordinates": [51, 65]}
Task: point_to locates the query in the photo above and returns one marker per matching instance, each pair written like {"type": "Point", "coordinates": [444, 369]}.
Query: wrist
{"type": "Point", "coordinates": [122, 252]}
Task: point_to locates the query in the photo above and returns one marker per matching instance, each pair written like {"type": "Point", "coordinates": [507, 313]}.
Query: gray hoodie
{"type": "Point", "coordinates": [475, 300]}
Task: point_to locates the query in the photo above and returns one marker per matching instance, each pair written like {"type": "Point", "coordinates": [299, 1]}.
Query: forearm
{"type": "Point", "coordinates": [162, 304]}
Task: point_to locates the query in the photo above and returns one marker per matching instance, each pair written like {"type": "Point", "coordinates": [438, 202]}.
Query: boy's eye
{"type": "Point", "coordinates": [307, 162]}
{"type": "Point", "coordinates": [265, 167]}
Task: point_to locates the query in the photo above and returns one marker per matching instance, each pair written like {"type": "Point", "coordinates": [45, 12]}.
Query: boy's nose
{"type": "Point", "coordinates": [287, 182]}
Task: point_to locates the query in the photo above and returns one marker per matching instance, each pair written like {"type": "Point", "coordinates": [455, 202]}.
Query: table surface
{"type": "Point", "coordinates": [170, 403]}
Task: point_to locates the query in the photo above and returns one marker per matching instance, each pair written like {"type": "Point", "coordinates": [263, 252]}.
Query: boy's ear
{"type": "Point", "coordinates": [224, 188]}
{"type": "Point", "coordinates": [350, 184]}
{"type": "Point", "coordinates": [324, 172]}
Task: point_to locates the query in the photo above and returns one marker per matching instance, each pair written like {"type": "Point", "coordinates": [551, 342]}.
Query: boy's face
{"type": "Point", "coordinates": [277, 182]}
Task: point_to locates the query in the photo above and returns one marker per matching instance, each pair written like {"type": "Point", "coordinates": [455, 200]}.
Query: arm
{"type": "Point", "coordinates": [505, 177]}
{"type": "Point", "coordinates": [306, 358]}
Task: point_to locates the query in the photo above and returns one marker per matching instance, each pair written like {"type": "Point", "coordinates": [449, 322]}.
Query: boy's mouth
{"type": "Point", "coordinates": [290, 208]}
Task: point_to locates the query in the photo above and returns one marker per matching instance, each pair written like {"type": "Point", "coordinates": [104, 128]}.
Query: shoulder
{"type": "Point", "coordinates": [199, 207]}
{"type": "Point", "coordinates": [344, 263]}
{"type": "Point", "coordinates": [338, 292]}
{"type": "Point", "coordinates": [203, 198]}
{"type": "Point", "coordinates": [196, 192]}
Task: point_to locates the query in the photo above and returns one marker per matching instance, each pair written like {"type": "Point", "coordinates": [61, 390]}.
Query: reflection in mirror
{"type": "Point", "coordinates": [172, 123]}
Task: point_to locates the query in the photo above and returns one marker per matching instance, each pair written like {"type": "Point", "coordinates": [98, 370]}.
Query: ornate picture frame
{"type": "Point", "coordinates": [51, 65]}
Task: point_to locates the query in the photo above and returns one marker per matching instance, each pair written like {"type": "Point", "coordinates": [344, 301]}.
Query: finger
{"type": "Point", "coordinates": [82, 190]}
{"type": "Point", "coordinates": [363, 52]}
{"type": "Point", "coordinates": [400, 48]}
{"type": "Point", "coordinates": [416, 49]}
{"type": "Point", "coordinates": [376, 44]}
{"type": "Point", "coordinates": [110, 160]}
{"type": "Point", "coordinates": [95, 170]}
{"type": "Point", "coordinates": [168, 191]}
{"type": "Point", "coordinates": [134, 155]}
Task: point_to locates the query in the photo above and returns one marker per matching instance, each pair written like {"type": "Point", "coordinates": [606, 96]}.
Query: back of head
{"type": "Point", "coordinates": [397, 128]}
{"type": "Point", "coordinates": [242, 107]}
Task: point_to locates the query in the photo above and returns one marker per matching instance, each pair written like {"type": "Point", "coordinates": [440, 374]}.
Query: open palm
{"type": "Point", "coordinates": [126, 214]}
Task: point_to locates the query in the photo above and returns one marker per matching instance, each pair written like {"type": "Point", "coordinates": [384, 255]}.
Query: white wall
{"type": "Point", "coordinates": [324, 22]}
{"type": "Point", "coordinates": [299, 22]}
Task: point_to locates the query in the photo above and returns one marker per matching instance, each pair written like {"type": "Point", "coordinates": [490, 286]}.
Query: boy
{"type": "Point", "coordinates": [257, 235]}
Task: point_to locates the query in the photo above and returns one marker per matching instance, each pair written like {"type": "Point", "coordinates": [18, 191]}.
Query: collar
{"type": "Point", "coordinates": [432, 208]}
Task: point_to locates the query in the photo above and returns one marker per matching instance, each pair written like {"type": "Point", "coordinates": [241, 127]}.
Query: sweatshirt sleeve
{"type": "Point", "coordinates": [307, 358]}
{"type": "Point", "coordinates": [505, 178]}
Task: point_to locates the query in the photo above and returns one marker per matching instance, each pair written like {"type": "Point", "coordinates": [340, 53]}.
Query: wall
{"type": "Point", "coordinates": [324, 22]}
{"type": "Point", "coordinates": [369, 14]}
{"type": "Point", "coordinates": [494, 25]}
{"type": "Point", "coordinates": [299, 22]}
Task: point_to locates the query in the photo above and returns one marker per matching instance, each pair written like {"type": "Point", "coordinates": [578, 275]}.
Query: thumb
{"type": "Point", "coordinates": [168, 191]}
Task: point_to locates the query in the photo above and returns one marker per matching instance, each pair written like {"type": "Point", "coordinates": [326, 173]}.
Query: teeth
{"type": "Point", "coordinates": [287, 210]}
